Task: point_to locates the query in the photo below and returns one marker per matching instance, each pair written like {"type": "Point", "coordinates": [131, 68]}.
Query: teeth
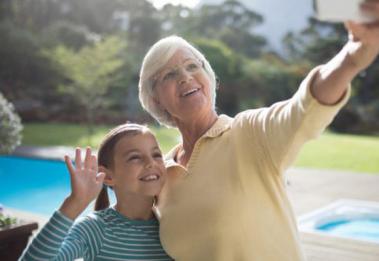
{"type": "Point", "coordinates": [189, 92]}
{"type": "Point", "coordinates": [150, 177]}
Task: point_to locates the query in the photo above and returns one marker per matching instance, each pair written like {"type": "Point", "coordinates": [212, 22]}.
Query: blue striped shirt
{"type": "Point", "coordinates": [102, 235]}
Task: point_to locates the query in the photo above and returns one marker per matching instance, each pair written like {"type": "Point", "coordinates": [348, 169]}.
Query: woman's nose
{"type": "Point", "coordinates": [184, 76]}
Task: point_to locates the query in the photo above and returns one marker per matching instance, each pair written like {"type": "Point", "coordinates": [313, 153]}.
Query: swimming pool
{"type": "Point", "coordinates": [34, 185]}
{"type": "Point", "coordinates": [354, 219]}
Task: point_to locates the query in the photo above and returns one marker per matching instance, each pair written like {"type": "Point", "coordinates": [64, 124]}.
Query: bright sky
{"type": "Point", "coordinates": [160, 3]}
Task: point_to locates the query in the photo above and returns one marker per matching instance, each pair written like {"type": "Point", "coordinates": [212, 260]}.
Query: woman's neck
{"type": "Point", "coordinates": [191, 132]}
{"type": "Point", "coordinates": [135, 207]}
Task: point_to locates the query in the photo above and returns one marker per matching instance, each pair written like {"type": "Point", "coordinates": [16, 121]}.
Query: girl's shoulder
{"type": "Point", "coordinates": [94, 219]}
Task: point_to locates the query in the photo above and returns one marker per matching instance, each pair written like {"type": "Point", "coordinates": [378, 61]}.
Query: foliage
{"type": "Point", "coordinates": [27, 78]}
{"type": "Point", "coordinates": [75, 135]}
{"type": "Point", "coordinates": [251, 74]}
{"type": "Point", "coordinates": [270, 79]}
{"type": "Point", "coordinates": [230, 22]}
{"type": "Point", "coordinates": [10, 127]}
{"type": "Point", "coordinates": [7, 221]}
{"type": "Point", "coordinates": [227, 66]}
{"type": "Point", "coordinates": [318, 43]}
{"type": "Point", "coordinates": [89, 71]}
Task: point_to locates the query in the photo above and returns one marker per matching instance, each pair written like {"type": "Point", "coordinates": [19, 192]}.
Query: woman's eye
{"type": "Point", "coordinates": [169, 76]}
{"type": "Point", "coordinates": [192, 67]}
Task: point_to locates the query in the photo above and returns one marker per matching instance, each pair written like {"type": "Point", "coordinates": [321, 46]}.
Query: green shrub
{"type": "Point", "coordinates": [10, 127]}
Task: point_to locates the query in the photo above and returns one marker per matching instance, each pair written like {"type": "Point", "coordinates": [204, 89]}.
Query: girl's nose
{"type": "Point", "coordinates": [149, 162]}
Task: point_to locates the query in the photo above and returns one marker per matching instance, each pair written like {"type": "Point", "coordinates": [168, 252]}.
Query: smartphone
{"type": "Point", "coordinates": [340, 11]}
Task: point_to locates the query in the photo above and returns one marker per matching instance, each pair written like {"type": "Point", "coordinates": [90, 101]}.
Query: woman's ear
{"type": "Point", "coordinates": [108, 180]}
{"type": "Point", "coordinates": [156, 101]}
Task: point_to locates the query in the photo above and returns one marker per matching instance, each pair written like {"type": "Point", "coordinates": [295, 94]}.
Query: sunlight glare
{"type": "Point", "coordinates": [188, 3]}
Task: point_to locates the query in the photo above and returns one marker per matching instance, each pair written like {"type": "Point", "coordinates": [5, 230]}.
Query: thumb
{"type": "Point", "coordinates": [356, 31]}
{"type": "Point", "coordinates": [100, 177]}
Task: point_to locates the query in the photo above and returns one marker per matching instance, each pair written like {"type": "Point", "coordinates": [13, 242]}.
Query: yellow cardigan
{"type": "Point", "coordinates": [231, 202]}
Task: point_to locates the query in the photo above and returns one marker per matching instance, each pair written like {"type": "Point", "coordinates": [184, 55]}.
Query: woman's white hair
{"type": "Point", "coordinates": [158, 55]}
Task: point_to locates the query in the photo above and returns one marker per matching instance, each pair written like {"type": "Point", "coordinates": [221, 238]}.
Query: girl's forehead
{"type": "Point", "coordinates": [140, 140]}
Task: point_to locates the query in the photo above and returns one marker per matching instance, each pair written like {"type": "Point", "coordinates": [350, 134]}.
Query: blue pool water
{"type": "Point", "coordinates": [33, 185]}
{"type": "Point", "coordinates": [362, 228]}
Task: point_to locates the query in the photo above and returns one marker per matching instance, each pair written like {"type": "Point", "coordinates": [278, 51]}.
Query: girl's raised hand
{"type": "Point", "coordinates": [86, 183]}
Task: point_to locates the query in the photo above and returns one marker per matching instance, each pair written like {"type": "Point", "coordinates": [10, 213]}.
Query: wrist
{"type": "Point", "coordinates": [352, 62]}
{"type": "Point", "coordinates": [72, 207]}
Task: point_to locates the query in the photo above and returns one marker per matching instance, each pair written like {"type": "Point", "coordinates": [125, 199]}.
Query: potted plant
{"type": "Point", "coordinates": [14, 236]}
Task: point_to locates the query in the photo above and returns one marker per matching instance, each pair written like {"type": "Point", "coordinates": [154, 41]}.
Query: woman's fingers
{"type": "Point", "coordinates": [371, 7]}
{"type": "Point", "coordinates": [356, 31]}
{"type": "Point", "coordinates": [78, 158]}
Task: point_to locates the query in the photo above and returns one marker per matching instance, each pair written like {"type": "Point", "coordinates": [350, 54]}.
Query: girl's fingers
{"type": "Point", "coordinates": [100, 177]}
{"type": "Point", "coordinates": [93, 163]}
{"type": "Point", "coordinates": [78, 158]}
{"type": "Point", "coordinates": [87, 159]}
{"type": "Point", "coordinates": [69, 165]}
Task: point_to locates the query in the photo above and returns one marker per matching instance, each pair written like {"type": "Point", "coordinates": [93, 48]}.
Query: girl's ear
{"type": "Point", "coordinates": [108, 180]}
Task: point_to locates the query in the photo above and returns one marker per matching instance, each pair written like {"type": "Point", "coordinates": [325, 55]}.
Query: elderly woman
{"type": "Point", "coordinates": [225, 198]}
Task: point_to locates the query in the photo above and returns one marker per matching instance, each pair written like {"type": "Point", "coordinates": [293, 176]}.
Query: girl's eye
{"type": "Point", "coordinates": [134, 157]}
{"type": "Point", "coordinates": [157, 155]}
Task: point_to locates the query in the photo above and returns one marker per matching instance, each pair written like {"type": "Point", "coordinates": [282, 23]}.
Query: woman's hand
{"type": "Point", "coordinates": [363, 45]}
{"type": "Point", "coordinates": [86, 183]}
{"type": "Point", "coordinates": [359, 52]}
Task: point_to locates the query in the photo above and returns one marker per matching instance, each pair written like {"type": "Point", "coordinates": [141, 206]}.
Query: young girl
{"type": "Point", "coordinates": [130, 162]}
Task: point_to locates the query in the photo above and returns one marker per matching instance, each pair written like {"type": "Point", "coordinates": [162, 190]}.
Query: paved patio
{"type": "Point", "coordinates": [311, 189]}
{"type": "Point", "coordinates": [308, 190]}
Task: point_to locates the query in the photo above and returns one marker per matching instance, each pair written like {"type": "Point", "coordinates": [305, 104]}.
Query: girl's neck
{"type": "Point", "coordinates": [135, 207]}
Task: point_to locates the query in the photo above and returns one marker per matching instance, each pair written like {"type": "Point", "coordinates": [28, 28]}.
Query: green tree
{"type": "Point", "coordinates": [227, 65]}
{"type": "Point", "coordinates": [90, 72]}
{"type": "Point", "coordinates": [317, 44]}
{"type": "Point", "coordinates": [230, 22]}
{"type": "Point", "coordinates": [27, 78]}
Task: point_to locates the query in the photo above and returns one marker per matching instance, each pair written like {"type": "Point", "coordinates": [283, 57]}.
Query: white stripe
{"type": "Point", "coordinates": [57, 228]}
{"type": "Point", "coordinates": [136, 255]}
{"type": "Point", "coordinates": [60, 214]}
{"type": "Point", "coordinates": [52, 248]}
{"type": "Point", "coordinates": [54, 242]}
{"type": "Point", "coordinates": [130, 247]}
{"type": "Point", "coordinates": [36, 249]}
{"type": "Point", "coordinates": [53, 236]}
{"type": "Point", "coordinates": [67, 226]}
{"type": "Point", "coordinates": [34, 257]}
{"type": "Point", "coordinates": [88, 236]}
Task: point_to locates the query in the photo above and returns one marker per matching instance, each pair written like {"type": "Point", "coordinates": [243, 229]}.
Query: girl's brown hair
{"type": "Point", "coordinates": [105, 154]}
